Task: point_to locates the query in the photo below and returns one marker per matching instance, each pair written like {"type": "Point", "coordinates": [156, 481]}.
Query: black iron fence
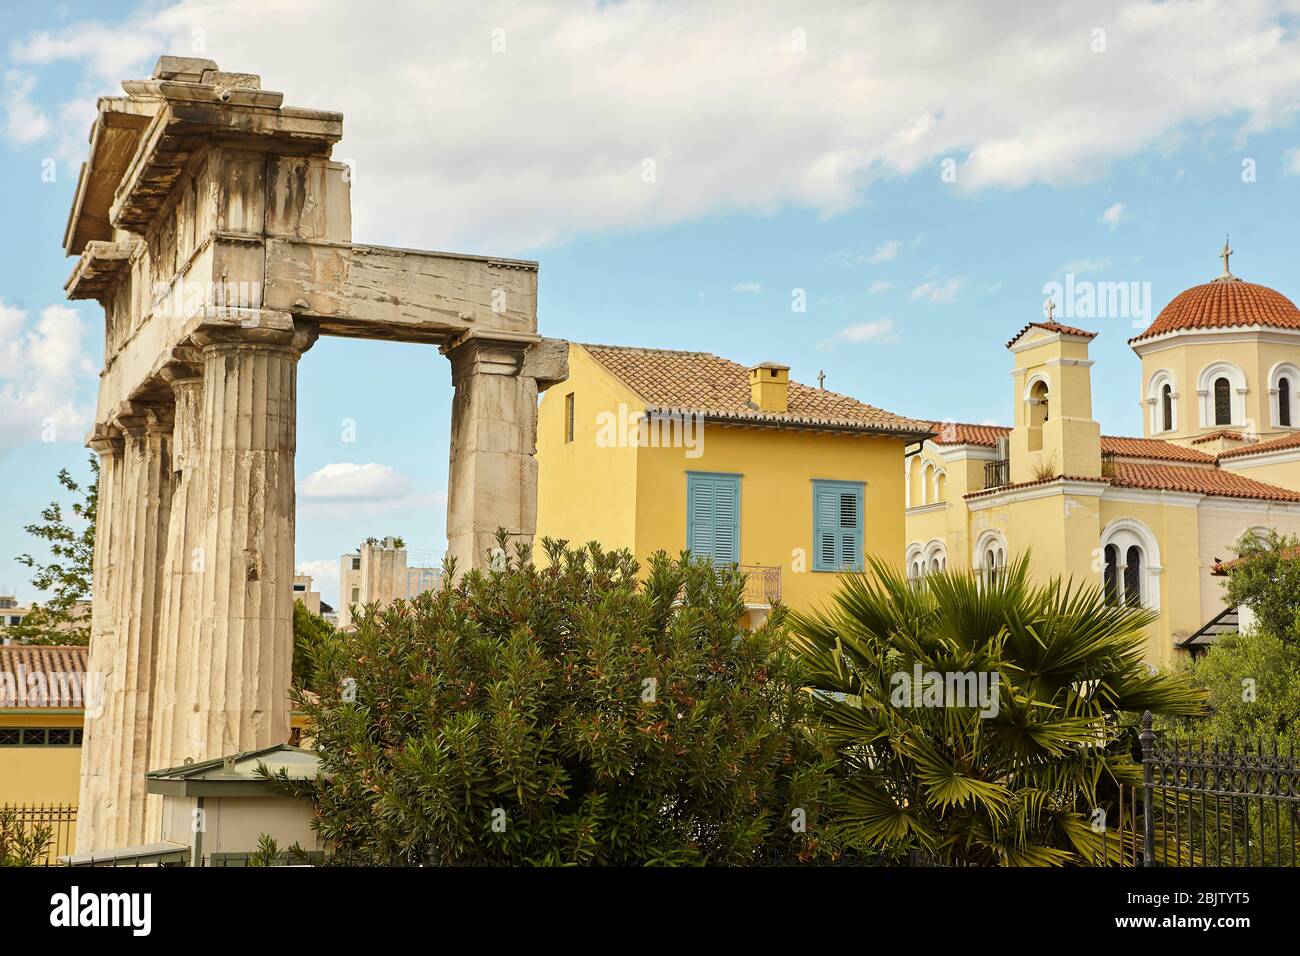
{"type": "Point", "coordinates": [1234, 803]}
{"type": "Point", "coordinates": [58, 820]}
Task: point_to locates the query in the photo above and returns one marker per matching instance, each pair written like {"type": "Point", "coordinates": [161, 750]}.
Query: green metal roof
{"type": "Point", "coordinates": [235, 775]}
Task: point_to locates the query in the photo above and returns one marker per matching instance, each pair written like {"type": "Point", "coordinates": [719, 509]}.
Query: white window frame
{"type": "Point", "coordinates": [1237, 393]}
{"type": "Point", "coordinates": [1123, 532]}
{"type": "Point", "coordinates": [1290, 372]}
{"type": "Point", "coordinates": [1158, 381]}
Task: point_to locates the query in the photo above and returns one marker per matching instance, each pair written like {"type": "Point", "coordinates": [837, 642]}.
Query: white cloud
{"type": "Point", "coordinates": [1081, 266]}
{"type": "Point", "coordinates": [324, 578]}
{"type": "Point", "coordinates": [1113, 215]}
{"type": "Point", "coordinates": [459, 147]}
{"type": "Point", "coordinates": [748, 287]}
{"type": "Point", "coordinates": [347, 481]}
{"type": "Point", "coordinates": [880, 285]}
{"type": "Point", "coordinates": [887, 251]}
{"type": "Point", "coordinates": [880, 331]}
{"type": "Point", "coordinates": [41, 366]}
{"type": "Point", "coordinates": [24, 121]}
{"type": "Point", "coordinates": [938, 292]}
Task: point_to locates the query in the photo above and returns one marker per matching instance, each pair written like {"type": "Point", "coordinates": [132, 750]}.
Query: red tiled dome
{"type": "Point", "coordinates": [1224, 303]}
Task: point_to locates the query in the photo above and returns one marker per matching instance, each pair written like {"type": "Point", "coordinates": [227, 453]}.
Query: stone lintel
{"type": "Point", "coordinates": [402, 295]}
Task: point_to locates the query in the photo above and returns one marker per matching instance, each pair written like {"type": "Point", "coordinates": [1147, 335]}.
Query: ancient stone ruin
{"type": "Point", "coordinates": [215, 230]}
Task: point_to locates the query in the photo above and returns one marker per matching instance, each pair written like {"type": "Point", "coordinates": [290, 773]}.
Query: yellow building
{"type": "Point", "coordinates": [649, 449]}
{"type": "Point", "coordinates": [1145, 518]}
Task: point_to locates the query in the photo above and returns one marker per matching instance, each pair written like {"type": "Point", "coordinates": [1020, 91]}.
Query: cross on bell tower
{"type": "Point", "coordinates": [1049, 307]}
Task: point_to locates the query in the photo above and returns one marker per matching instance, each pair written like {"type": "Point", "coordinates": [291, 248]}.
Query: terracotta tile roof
{"type": "Point", "coordinates": [702, 383]}
{"type": "Point", "coordinates": [1224, 303]}
{"type": "Point", "coordinates": [1223, 567]}
{"type": "Point", "coordinates": [1052, 327]}
{"type": "Point", "coordinates": [1263, 447]}
{"type": "Point", "coordinates": [1031, 484]}
{"type": "Point", "coordinates": [63, 670]}
{"type": "Point", "coordinates": [1202, 481]}
{"type": "Point", "coordinates": [1222, 433]}
{"type": "Point", "coordinates": [1153, 448]}
{"type": "Point", "coordinates": [959, 433]}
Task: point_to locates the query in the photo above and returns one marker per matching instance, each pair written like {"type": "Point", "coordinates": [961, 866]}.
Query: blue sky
{"type": "Point", "coordinates": [790, 152]}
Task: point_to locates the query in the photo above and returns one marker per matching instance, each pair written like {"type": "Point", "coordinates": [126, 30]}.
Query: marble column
{"type": "Point", "coordinates": [243, 659]}
{"type": "Point", "coordinates": [492, 475]}
{"type": "Point", "coordinates": [97, 729]}
{"type": "Point", "coordinates": [175, 733]}
{"type": "Point", "coordinates": [146, 493]}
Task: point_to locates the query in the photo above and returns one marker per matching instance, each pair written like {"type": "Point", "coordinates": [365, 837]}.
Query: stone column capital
{"type": "Point", "coordinates": [491, 354]}
{"type": "Point", "coordinates": [256, 328]}
{"type": "Point", "coordinates": [104, 439]}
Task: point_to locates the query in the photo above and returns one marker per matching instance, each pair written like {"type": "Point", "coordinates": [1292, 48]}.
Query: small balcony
{"type": "Point", "coordinates": [762, 584]}
{"type": "Point", "coordinates": [997, 473]}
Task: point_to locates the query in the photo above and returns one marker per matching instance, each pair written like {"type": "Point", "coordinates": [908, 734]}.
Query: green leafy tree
{"type": "Point", "coordinates": [309, 630]}
{"type": "Point", "coordinates": [67, 575]}
{"type": "Point", "coordinates": [1265, 577]}
{"type": "Point", "coordinates": [1253, 683]}
{"type": "Point", "coordinates": [22, 845]}
{"type": "Point", "coordinates": [567, 715]}
{"type": "Point", "coordinates": [1020, 782]}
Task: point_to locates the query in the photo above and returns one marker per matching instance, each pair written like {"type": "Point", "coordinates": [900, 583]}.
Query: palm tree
{"type": "Point", "coordinates": [1028, 775]}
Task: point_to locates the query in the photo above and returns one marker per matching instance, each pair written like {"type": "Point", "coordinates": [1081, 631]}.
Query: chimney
{"type": "Point", "coordinates": [769, 385]}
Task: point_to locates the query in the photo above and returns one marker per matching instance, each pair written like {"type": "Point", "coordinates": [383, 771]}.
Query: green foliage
{"type": "Point", "coordinates": [308, 631]}
{"type": "Point", "coordinates": [268, 853]}
{"type": "Point", "coordinates": [566, 715]}
{"type": "Point", "coordinates": [21, 845]}
{"type": "Point", "coordinates": [1253, 682]}
{"type": "Point", "coordinates": [68, 573]}
{"type": "Point", "coordinates": [1266, 578]}
{"type": "Point", "coordinates": [1016, 787]}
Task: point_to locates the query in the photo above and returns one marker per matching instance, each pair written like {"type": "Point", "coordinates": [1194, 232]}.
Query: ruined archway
{"type": "Point", "coordinates": [215, 229]}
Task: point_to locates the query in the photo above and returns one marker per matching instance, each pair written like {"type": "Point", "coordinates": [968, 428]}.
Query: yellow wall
{"type": "Point", "coordinates": [585, 492]}
{"type": "Point", "coordinates": [1186, 357]}
{"type": "Point", "coordinates": [777, 470]}
{"type": "Point", "coordinates": [39, 774]}
{"type": "Point", "coordinates": [635, 498]}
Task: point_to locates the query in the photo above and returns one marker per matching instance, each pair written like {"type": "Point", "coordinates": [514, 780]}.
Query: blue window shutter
{"type": "Point", "coordinates": [825, 529]}
{"type": "Point", "coordinates": [837, 526]}
{"type": "Point", "coordinates": [713, 517]}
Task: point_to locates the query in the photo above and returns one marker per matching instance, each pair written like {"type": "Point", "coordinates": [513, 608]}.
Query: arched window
{"type": "Point", "coordinates": [990, 558]}
{"type": "Point", "coordinates": [1110, 577]}
{"type": "Point", "coordinates": [1037, 412]}
{"type": "Point", "coordinates": [1131, 565]}
{"type": "Point", "coordinates": [1133, 576]}
{"type": "Point", "coordinates": [1167, 407]}
{"type": "Point", "coordinates": [1222, 401]}
{"type": "Point", "coordinates": [1284, 402]}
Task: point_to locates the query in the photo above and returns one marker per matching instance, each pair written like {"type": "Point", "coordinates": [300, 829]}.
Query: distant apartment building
{"type": "Point", "coordinates": [12, 614]}
{"type": "Point", "coordinates": [377, 572]}
{"type": "Point", "coordinates": [302, 592]}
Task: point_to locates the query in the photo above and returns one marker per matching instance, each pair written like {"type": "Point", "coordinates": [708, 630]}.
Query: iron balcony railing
{"type": "Point", "coordinates": [762, 584]}
{"type": "Point", "coordinates": [997, 473]}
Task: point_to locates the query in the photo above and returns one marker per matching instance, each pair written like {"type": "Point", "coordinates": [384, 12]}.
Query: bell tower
{"type": "Point", "coordinates": [1054, 432]}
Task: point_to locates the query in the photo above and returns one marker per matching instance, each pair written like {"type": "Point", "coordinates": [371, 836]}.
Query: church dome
{"type": "Point", "coordinates": [1225, 302]}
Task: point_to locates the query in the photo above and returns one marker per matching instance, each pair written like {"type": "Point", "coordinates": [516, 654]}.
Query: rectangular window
{"type": "Point", "coordinates": [356, 564]}
{"type": "Point", "coordinates": [837, 525]}
{"type": "Point", "coordinates": [568, 418]}
{"type": "Point", "coordinates": [356, 595]}
{"type": "Point", "coordinates": [713, 516]}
